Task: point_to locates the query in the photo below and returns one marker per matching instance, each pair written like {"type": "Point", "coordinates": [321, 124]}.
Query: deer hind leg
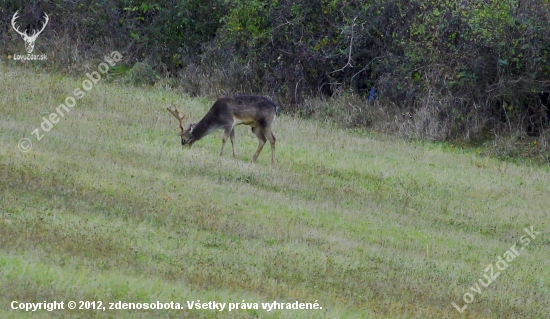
{"type": "Point", "coordinates": [261, 139]}
{"type": "Point", "coordinates": [269, 134]}
{"type": "Point", "coordinates": [232, 137]}
{"type": "Point", "coordinates": [226, 134]}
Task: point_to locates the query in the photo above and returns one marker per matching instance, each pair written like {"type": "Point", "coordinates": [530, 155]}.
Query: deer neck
{"type": "Point", "coordinates": [204, 127]}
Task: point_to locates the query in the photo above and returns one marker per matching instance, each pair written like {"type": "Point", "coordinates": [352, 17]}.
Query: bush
{"type": "Point", "coordinates": [449, 69]}
{"type": "Point", "coordinates": [142, 74]}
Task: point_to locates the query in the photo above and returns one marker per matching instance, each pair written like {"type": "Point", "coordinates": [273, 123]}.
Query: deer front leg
{"type": "Point", "coordinates": [226, 135]}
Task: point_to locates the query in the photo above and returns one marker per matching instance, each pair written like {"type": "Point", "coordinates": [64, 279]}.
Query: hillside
{"type": "Point", "coordinates": [108, 207]}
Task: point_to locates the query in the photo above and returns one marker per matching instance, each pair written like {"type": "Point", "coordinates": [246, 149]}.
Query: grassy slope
{"type": "Point", "coordinates": [108, 206]}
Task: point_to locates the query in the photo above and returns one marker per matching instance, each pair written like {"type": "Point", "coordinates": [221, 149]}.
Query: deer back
{"type": "Point", "coordinates": [244, 109]}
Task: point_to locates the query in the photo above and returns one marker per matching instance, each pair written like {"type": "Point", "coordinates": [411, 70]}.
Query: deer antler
{"type": "Point", "coordinates": [29, 39]}
{"type": "Point", "coordinates": [177, 114]}
{"type": "Point", "coordinates": [15, 26]}
{"type": "Point", "coordinates": [35, 34]}
{"type": "Point", "coordinates": [24, 34]}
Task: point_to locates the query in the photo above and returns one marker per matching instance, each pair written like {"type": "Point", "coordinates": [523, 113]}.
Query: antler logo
{"type": "Point", "coordinates": [29, 39]}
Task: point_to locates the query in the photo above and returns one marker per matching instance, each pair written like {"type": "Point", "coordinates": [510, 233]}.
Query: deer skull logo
{"type": "Point", "coordinates": [29, 39]}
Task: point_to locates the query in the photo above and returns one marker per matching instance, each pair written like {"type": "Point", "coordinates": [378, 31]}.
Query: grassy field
{"type": "Point", "coordinates": [108, 207]}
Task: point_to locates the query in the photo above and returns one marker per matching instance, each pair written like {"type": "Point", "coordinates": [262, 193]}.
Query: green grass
{"type": "Point", "coordinates": [108, 206]}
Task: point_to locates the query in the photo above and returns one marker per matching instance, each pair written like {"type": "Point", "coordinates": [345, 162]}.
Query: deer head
{"type": "Point", "coordinates": [29, 39]}
{"type": "Point", "coordinates": [186, 134]}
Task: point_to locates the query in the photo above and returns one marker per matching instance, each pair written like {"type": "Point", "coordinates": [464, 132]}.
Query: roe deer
{"type": "Point", "coordinates": [257, 111]}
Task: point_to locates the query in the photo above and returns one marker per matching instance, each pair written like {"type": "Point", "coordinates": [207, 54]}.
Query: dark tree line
{"type": "Point", "coordinates": [455, 68]}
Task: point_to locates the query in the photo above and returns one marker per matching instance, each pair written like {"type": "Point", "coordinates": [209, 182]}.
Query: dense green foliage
{"type": "Point", "coordinates": [459, 69]}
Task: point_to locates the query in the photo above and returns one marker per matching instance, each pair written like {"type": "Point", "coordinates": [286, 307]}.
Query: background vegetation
{"type": "Point", "coordinates": [108, 206]}
{"type": "Point", "coordinates": [446, 70]}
